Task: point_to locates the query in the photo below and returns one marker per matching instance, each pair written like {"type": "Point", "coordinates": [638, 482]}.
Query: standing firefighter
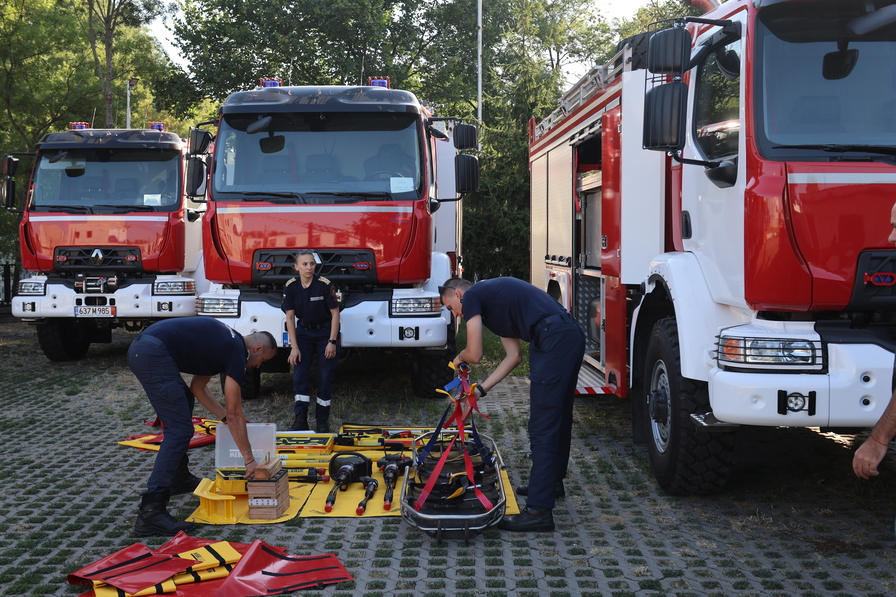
{"type": "Point", "coordinates": [515, 311]}
{"type": "Point", "coordinates": [203, 347]}
{"type": "Point", "coordinates": [312, 322]}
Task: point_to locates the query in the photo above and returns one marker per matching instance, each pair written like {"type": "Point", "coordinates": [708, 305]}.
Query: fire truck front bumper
{"type": "Point", "coordinates": [169, 297]}
{"type": "Point", "coordinates": [376, 324]}
{"type": "Point", "coordinates": [853, 391]}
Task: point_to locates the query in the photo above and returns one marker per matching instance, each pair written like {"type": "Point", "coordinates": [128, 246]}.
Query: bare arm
{"type": "Point", "coordinates": [472, 353]}
{"type": "Point", "coordinates": [236, 421]}
{"type": "Point", "coordinates": [294, 354]}
{"type": "Point", "coordinates": [330, 350]}
{"type": "Point", "coordinates": [872, 452]}
{"type": "Point", "coordinates": [513, 351]}
{"type": "Point", "coordinates": [199, 388]}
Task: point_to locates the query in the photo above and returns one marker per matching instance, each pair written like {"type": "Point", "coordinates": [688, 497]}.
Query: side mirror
{"type": "Point", "coordinates": [196, 176]}
{"type": "Point", "coordinates": [8, 193]}
{"type": "Point", "coordinates": [199, 141]}
{"type": "Point", "coordinates": [724, 175]}
{"type": "Point", "coordinates": [465, 137]}
{"type": "Point", "coordinates": [466, 173]}
{"type": "Point", "coordinates": [7, 184]}
{"type": "Point", "coordinates": [10, 166]}
{"type": "Point", "coordinates": [664, 117]}
{"type": "Point", "coordinates": [669, 51]}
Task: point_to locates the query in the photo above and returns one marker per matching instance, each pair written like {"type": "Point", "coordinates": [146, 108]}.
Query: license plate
{"type": "Point", "coordinates": [94, 311]}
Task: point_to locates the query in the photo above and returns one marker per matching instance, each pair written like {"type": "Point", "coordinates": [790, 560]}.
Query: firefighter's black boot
{"type": "Point", "coordinates": [183, 481]}
{"type": "Point", "coordinates": [323, 426]}
{"type": "Point", "coordinates": [531, 519]}
{"type": "Point", "coordinates": [300, 423]}
{"type": "Point", "coordinates": [154, 518]}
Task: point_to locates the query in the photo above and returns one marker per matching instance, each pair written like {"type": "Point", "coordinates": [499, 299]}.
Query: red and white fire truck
{"type": "Point", "coordinates": [362, 175]}
{"type": "Point", "coordinates": [107, 237]}
{"type": "Point", "coordinates": [713, 207]}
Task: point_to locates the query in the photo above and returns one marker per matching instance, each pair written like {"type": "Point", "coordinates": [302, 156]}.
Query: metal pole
{"type": "Point", "coordinates": [479, 76]}
{"type": "Point", "coordinates": [128, 112]}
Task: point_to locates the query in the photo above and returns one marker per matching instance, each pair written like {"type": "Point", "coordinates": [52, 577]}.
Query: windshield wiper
{"type": "Point", "coordinates": [833, 147]}
{"type": "Point", "coordinates": [83, 208]}
{"type": "Point", "coordinates": [130, 207]}
{"type": "Point", "coordinates": [273, 196]}
{"type": "Point", "coordinates": [354, 194]}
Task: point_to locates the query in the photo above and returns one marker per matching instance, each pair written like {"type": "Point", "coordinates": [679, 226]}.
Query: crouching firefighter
{"type": "Point", "coordinates": [312, 323]}
{"type": "Point", "coordinates": [203, 347]}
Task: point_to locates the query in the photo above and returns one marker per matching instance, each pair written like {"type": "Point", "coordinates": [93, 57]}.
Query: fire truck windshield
{"type": "Point", "coordinates": [107, 180]}
{"type": "Point", "coordinates": [318, 157]}
{"type": "Point", "coordinates": [824, 81]}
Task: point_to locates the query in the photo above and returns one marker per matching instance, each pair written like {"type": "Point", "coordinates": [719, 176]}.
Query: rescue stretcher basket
{"type": "Point", "coordinates": [453, 510]}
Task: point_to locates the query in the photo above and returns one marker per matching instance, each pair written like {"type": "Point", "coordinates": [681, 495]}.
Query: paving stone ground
{"type": "Point", "coordinates": [794, 520]}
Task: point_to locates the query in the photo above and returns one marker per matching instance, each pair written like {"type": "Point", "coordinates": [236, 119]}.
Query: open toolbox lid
{"type": "Point", "coordinates": [262, 437]}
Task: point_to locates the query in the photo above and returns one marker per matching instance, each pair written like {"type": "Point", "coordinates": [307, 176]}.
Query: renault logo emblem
{"type": "Point", "coordinates": [97, 256]}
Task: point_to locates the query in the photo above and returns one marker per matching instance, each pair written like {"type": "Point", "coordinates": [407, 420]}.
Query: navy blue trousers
{"type": "Point", "coordinates": [555, 357]}
{"type": "Point", "coordinates": [312, 344]}
{"type": "Point", "coordinates": [172, 400]}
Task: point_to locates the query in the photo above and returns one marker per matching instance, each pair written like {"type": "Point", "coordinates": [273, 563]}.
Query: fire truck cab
{"type": "Point", "coordinates": [366, 178]}
{"type": "Point", "coordinates": [107, 237]}
{"type": "Point", "coordinates": [713, 207]}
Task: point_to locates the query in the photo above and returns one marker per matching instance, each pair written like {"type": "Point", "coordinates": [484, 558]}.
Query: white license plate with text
{"type": "Point", "coordinates": [94, 311]}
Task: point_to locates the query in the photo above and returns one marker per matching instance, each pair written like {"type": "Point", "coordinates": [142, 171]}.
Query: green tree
{"type": "Point", "coordinates": [104, 18]}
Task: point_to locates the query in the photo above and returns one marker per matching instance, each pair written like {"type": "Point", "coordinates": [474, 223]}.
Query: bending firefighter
{"type": "Point", "coordinates": [203, 347]}
{"type": "Point", "coordinates": [312, 322]}
{"type": "Point", "coordinates": [515, 311]}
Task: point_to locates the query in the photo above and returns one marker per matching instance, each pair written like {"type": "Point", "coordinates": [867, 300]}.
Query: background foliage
{"type": "Point", "coordinates": [70, 60]}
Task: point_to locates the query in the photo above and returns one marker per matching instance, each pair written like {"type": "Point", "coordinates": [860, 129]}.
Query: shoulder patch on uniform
{"type": "Point", "coordinates": [324, 280]}
{"type": "Point", "coordinates": [290, 281]}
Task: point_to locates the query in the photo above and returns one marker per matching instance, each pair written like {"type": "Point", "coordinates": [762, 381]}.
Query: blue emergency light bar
{"type": "Point", "coordinates": [158, 126]}
{"type": "Point", "coordinates": [378, 82]}
{"type": "Point", "coordinates": [78, 126]}
{"type": "Point", "coordinates": [270, 82]}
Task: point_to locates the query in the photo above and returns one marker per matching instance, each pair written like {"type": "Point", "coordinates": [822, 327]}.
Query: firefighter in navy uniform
{"type": "Point", "coordinates": [312, 322]}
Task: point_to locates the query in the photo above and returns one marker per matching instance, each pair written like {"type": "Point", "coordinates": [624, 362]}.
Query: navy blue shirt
{"type": "Point", "coordinates": [311, 305]}
{"type": "Point", "coordinates": [509, 307]}
{"type": "Point", "coordinates": [203, 346]}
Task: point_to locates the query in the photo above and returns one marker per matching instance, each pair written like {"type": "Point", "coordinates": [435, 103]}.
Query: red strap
{"type": "Point", "coordinates": [433, 477]}
{"type": "Point", "coordinates": [472, 476]}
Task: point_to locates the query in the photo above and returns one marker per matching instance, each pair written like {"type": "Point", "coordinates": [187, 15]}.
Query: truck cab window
{"type": "Point", "coordinates": [717, 102]}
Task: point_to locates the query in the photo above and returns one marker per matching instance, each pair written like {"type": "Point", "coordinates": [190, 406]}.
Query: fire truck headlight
{"type": "Point", "coordinates": [184, 286]}
{"type": "Point", "coordinates": [769, 353]}
{"type": "Point", "coordinates": [32, 287]}
{"type": "Point", "coordinates": [221, 307]}
{"type": "Point", "coordinates": [409, 306]}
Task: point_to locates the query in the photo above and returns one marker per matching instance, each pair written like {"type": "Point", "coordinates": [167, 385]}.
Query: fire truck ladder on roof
{"type": "Point", "coordinates": [598, 78]}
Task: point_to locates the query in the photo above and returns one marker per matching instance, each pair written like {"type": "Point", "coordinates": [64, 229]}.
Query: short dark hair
{"type": "Point", "coordinates": [454, 284]}
{"type": "Point", "coordinates": [266, 339]}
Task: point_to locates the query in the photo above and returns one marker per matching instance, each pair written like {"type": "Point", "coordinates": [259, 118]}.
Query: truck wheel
{"type": "Point", "coordinates": [63, 339]}
{"type": "Point", "coordinates": [251, 387]}
{"type": "Point", "coordinates": [429, 373]}
{"type": "Point", "coordinates": [685, 461]}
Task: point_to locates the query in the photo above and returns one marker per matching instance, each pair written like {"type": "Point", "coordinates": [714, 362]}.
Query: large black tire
{"type": "Point", "coordinates": [63, 339]}
{"type": "Point", "coordinates": [430, 372]}
{"type": "Point", "coordinates": [685, 461]}
{"type": "Point", "coordinates": [251, 386]}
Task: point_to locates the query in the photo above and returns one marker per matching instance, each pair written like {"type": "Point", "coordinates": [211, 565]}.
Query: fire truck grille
{"type": "Point", "coordinates": [874, 288]}
{"type": "Point", "coordinates": [97, 259]}
{"type": "Point", "coordinates": [344, 267]}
